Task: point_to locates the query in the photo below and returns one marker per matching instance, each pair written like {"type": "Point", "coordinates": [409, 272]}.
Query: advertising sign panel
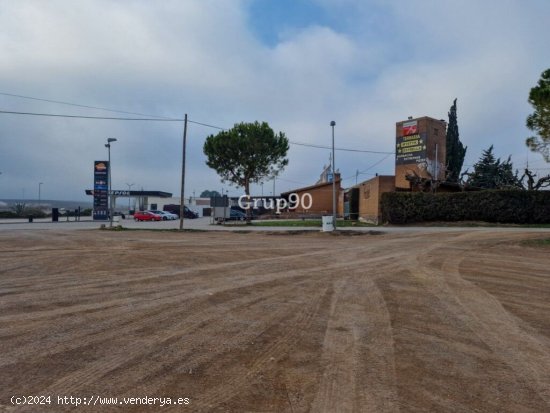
{"type": "Point", "coordinates": [410, 128]}
{"type": "Point", "coordinates": [101, 190]}
{"type": "Point", "coordinates": [411, 149]}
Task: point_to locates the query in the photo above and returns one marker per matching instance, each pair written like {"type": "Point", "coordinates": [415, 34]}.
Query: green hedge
{"type": "Point", "coordinates": [35, 212]}
{"type": "Point", "coordinates": [510, 207]}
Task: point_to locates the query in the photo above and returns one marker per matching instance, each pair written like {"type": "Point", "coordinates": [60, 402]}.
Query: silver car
{"type": "Point", "coordinates": [165, 215]}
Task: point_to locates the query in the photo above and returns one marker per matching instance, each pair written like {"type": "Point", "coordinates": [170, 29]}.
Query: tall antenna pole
{"type": "Point", "coordinates": [182, 200]}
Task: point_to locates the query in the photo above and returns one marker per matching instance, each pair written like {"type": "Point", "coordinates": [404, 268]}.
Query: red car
{"type": "Point", "coordinates": [146, 216]}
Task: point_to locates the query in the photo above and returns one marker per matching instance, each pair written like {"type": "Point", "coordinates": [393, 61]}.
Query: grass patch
{"type": "Point", "coordinates": [537, 243]}
{"type": "Point", "coordinates": [347, 233]}
{"type": "Point", "coordinates": [309, 223]}
{"type": "Point", "coordinates": [121, 228]}
{"type": "Point", "coordinates": [473, 224]}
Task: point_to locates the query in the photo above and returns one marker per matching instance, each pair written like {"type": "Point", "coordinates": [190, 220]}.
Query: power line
{"type": "Point", "coordinates": [340, 149]}
{"type": "Point", "coordinates": [291, 181]}
{"type": "Point", "coordinates": [369, 168]}
{"type": "Point", "coordinates": [102, 108]}
{"type": "Point", "coordinates": [81, 106]}
{"type": "Point", "coordinates": [205, 124]}
{"type": "Point", "coordinates": [162, 119]}
{"type": "Point", "coordinates": [88, 117]}
{"type": "Point", "coordinates": [304, 144]}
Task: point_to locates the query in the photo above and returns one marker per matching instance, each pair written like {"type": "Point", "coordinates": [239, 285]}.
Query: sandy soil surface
{"type": "Point", "coordinates": [447, 322]}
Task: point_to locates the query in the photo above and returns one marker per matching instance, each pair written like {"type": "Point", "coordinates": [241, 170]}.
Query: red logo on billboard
{"type": "Point", "coordinates": [410, 128]}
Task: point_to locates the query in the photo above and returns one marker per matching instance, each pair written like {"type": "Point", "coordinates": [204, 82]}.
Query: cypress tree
{"type": "Point", "coordinates": [455, 150]}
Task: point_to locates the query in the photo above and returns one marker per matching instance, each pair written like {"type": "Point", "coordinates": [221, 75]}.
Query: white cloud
{"type": "Point", "coordinates": [377, 64]}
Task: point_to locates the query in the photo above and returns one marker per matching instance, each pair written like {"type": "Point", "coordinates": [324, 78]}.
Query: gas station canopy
{"type": "Point", "coordinates": [134, 194]}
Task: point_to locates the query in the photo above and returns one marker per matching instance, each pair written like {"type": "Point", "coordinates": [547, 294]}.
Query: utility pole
{"type": "Point", "coordinates": [224, 206]}
{"type": "Point", "coordinates": [182, 199]}
{"type": "Point", "coordinates": [108, 146]}
{"type": "Point", "coordinates": [333, 179]}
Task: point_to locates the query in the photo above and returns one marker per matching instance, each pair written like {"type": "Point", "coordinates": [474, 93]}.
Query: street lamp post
{"type": "Point", "coordinates": [332, 124]}
{"type": "Point", "coordinates": [39, 192]}
{"type": "Point", "coordinates": [108, 146]}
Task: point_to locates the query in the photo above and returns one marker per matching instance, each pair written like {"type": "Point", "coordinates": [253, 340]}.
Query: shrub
{"type": "Point", "coordinates": [8, 214]}
{"type": "Point", "coordinates": [502, 206]}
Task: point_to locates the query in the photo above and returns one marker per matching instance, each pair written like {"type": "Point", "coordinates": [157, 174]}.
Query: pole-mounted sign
{"type": "Point", "coordinates": [101, 190]}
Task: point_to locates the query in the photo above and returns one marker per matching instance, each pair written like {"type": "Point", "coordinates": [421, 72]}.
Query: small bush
{"type": "Point", "coordinates": [34, 212]}
{"type": "Point", "coordinates": [8, 214]}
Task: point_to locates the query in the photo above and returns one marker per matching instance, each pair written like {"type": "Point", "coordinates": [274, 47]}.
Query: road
{"type": "Point", "coordinates": [412, 322]}
{"type": "Point", "coordinates": [204, 224]}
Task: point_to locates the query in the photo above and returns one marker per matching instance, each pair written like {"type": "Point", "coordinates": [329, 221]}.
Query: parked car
{"type": "Point", "coordinates": [236, 215]}
{"type": "Point", "coordinates": [175, 209]}
{"type": "Point", "coordinates": [254, 213]}
{"type": "Point", "coordinates": [165, 215]}
{"type": "Point", "coordinates": [146, 216]}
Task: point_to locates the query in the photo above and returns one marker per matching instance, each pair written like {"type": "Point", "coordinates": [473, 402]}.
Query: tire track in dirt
{"type": "Point", "coordinates": [358, 350]}
{"type": "Point", "coordinates": [503, 333]}
{"type": "Point", "coordinates": [170, 297]}
{"type": "Point", "coordinates": [254, 266]}
{"type": "Point", "coordinates": [224, 391]}
{"type": "Point", "coordinates": [94, 371]}
{"type": "Point", "coordinates": [170, 286]}
{"type": "Point", "coordinates": [104, 334]}
{"type": "Point", "coordinates": [90, 374]}
{"type": "Point", "coordinates": [196, 359]}
{"type": "Point", "coordinates": [340, 359]}
{"type": "Point", "coordinates": [268, 357]}
{"type": "Point", "coordinates": [31, 281]}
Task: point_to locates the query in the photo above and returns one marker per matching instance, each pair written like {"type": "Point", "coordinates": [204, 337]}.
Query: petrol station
{"type": "Point", "coordinates": [141, 200]}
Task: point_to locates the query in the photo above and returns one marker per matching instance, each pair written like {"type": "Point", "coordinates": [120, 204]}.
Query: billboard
{"type": "Point", "coordinates": [101, 190]}
{"type": "Point", "coordinates": [410, 149]}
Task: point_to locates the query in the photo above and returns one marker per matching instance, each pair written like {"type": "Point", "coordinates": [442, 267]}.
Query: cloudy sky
{"type": "Point", "coordinates": [295, 64]}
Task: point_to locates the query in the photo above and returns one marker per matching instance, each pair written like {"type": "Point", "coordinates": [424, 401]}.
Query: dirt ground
{"type": "Point", "coordinates": [447, 322]}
